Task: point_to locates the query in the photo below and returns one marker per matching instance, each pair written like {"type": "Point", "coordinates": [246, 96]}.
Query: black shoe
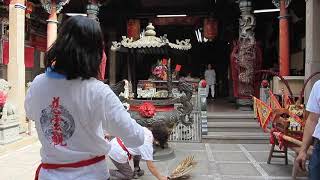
{"type": "Point", "coordinates": [137, 173]}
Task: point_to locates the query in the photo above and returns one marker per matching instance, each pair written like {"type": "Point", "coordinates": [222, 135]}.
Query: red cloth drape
{"type": "Point", "coordinates": [103, 66]}
{"type": "Point", "coordinates": [210, 28]}
{"type": "Point", "coordinates": [5, 55]}
{"type": "Point", "coordinates": [28, 55]}
{"type": "Point", "coordinates": [133, 28]}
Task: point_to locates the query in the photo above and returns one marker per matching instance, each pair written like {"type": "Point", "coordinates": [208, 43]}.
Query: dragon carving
{"type": "Point", "coordinates": [246, 55]}
{"type": "Point", "coordinates": [247, 51]}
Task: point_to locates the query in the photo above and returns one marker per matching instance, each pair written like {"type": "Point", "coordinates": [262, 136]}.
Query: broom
{"type": "Point", "coordinates": [183, 168]}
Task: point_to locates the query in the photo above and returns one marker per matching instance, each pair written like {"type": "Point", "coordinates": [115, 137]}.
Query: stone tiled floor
{"type": "Point", "coordinates": [215, 162]}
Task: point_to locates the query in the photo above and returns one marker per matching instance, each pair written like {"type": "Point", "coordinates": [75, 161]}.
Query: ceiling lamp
{"type": "Point", "coordinates": [265, 10]}
{"type": "Point", "coordinates": [171, 15]}
{"type": "Point", "coordinates": [76, 14]}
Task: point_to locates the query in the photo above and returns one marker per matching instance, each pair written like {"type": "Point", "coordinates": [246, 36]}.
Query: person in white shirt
{"type": "Point", "coordinates": [210, 77]}
{"type": "Point", "coordinates": [72, 109]}
{"type": "Point", "coordinates": [120, 155]}
{"type": "Point", "coordinates": [311, 135]}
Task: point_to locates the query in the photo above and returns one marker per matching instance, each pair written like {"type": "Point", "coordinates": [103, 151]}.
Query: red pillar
{"type": "Point", "coordinates": [284, 54]}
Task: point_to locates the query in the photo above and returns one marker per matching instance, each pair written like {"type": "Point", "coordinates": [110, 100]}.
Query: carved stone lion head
{"type": "Point", "coordinates": [4, 86]}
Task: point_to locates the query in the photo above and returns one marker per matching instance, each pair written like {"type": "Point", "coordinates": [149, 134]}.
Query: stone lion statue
{"type": "Point", "coordinates": [9, 111]}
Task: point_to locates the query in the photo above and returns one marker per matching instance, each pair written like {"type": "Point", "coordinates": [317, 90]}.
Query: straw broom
{"type": "Point", "coordinates": [183, 168]}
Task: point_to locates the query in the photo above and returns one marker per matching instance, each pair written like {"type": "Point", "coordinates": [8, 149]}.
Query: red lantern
{"type": "Point", "coordinates": [210, 28]}
{"type": "Point", "coordinates": [6, 2]}
{"type": "Point", "coordinates": [164, 61]}
{"type": "Point", "coordinates": [265, 83]}
{"type": "Point", "coordinates": [203, 83]}
{"type": "Point", "coordinates": [178, 68]}
{"type": "Point", "coordinates": [133, 28]}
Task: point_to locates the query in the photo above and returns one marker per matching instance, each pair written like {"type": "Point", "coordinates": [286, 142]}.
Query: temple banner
{"type": "Point", "coordinates": [181, 21]}
{"type": "Point", "coordinates": [133, 28]}
{"type": "Point", "coordinates": [28, 55]}
{"type": "Point", "coordinates": [39, 42]}
{"type": "Point", "coordinates": [210, 28]}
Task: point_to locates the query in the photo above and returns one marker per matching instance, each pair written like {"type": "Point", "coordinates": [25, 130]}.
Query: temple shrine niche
{"type": "Point", "coordinates": [163, 97]}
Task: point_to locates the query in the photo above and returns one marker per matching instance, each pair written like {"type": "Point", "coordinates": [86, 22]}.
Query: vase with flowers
{"type": "Point", "coordinates": [160, 71]}
{"type": "Point", "coordinates": [3, 99]}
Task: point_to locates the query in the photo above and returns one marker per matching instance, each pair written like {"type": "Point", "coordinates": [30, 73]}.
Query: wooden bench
{"type": "Point", "coordinates": [295, 146]}
{"type": "Point", "coordinates": [281, 125]}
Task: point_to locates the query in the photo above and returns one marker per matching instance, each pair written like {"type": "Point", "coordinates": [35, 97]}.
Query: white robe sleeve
{"type": "Point", "coordinates": [314, 98]}
{"type": "Point", "coordinates": [118, 122]}
{"type": "Point", "coordinates": [214, 77]}
{"type": "Point", "coordinates": [27, 105]}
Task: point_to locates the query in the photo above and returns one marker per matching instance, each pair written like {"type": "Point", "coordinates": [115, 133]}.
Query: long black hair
{"type": "Point", "coordinates": [160, 133]}
{"type": "Point", "coordinates": [78, 49]}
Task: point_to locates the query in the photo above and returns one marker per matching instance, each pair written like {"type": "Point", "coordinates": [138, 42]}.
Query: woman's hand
{"type": "Point", "coordinates": [163, 178]}
{"type": "Point", "coordinates": [107, 136]}
{"type": "Point", "coordinates": [301, 160]}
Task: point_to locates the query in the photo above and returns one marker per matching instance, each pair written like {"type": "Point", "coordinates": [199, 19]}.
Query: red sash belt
{"type": "Point", "coordinates": [70, 165]}
{"type": "Point", "coordinates": [124, 148]}
{"type": "Point", "coordinates": [158, 108]}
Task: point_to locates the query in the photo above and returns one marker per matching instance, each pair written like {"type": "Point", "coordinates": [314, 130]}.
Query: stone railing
{"type": "Point", "coordinates": [202, 106]}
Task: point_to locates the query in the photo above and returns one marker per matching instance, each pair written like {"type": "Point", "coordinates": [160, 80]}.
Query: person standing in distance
{"type": "Point", "coordinates": [210, 77]}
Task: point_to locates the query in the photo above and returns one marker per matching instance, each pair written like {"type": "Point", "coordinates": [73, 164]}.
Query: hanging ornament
{"type": "Point", "coordinates": [6, 2]}
{"type": "Point", "coordinates": [46, 4]}
{"type": "Point", "coordinates": [29, 8]}
{"type": "Point", "coordinates": [277, 3]}
{"type": "Point", "coordinates": [133, 28]}
{"type": "Point", "coordinates": [210, 28]}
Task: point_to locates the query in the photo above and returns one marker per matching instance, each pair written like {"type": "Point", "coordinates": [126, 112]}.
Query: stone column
{"type": "Point", "coordinates": [16, 67]}
{"type": "Point", "coordinates": [93, 9]}
{"type": "Point", "coordinates": [246, 57]}
{"type": "Point", "coordinates": [112, 58]}
{"type": "Point", "coordinates": [312, 64]}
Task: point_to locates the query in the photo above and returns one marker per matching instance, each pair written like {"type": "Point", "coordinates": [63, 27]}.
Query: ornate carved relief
{"type": "Point", "coordinates": [4, 28]}
{"type": "Point", "coordinates": [247, 53]}
{"type": "Point", "coordinates": [277, 3]}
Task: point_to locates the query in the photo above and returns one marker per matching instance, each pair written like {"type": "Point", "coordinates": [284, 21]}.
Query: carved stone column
{"type": "Point", "coordinates": [93, 9]}
{"type": "Point", "coordinates": [16, 67]}
{"type": "Point", "coordinates": [284, 41]}
{"type": "Point", "coordinates": [112, 69]}
{"type": "Point", "coordinates": [312, 63]}
{"type": "Point", "coordinates": [247, 52]}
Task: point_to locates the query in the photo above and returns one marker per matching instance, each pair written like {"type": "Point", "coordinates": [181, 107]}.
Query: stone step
{"type": "Point", "coordinates": [230, 117]}
{"type": "Point", "coordinates": [222, 115]}
{"type": "Point", "coordinates": [234, 127]}
{"type": "Point", "coordinates": [236, 138]}
{"type": "Point", "coordinates": [24, 141]}
{"type": "Point", "coordinates": [231, 120]}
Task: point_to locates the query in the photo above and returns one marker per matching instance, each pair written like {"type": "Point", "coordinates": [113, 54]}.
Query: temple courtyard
{"type": "Point", "coordinates": [215, 161]}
